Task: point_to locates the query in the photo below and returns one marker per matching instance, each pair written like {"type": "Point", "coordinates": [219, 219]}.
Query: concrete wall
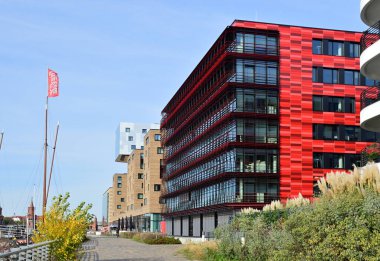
{"type": "Point", "coordinates": [224, 218]}
{"type": "Point", "coordinates": [177, 226]}
{"type": "Point", "coordinates": [185, 226]}
{"type": "Point", "coordinates": [169, 231]}
{"type": "Point", "coordinates": [208, 222]}
{"type": "Point", "coordinates": [196, 226]}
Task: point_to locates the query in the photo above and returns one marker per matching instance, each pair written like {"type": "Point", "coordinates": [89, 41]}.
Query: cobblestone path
{"type": "Point", "coordinates": [111, 248]}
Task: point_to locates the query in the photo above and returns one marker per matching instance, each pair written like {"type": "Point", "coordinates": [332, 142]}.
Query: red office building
{"type": "Point", "coordinates": [267, 111]}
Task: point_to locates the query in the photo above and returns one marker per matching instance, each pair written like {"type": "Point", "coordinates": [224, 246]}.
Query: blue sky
{"type": "Point", "coordinates": [117, 61]}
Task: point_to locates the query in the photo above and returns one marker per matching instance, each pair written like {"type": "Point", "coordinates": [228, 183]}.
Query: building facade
{"type": "Point", "coordinates": [144, 186]}
{"type": "Point", "coordinates": [130, 136]}
{"type": "Point", "coordinates": [370, 64]}
{"type": "Point", "coordinates": [105, 207]}
{"type": "Point", "coordinates": [114, 199]}
{"type": "Point", "coordinates": [268, 110]}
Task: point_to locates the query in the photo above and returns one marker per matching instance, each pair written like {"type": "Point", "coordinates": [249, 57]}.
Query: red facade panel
{"type": "Point", "coordinates": [296, 114]}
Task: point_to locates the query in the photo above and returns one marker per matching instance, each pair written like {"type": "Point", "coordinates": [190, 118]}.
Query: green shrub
{"type": "Point", "coordinates": [127, 234]}
{"type": "Point", "coordinates": [150, 238]}
{"type": "Point", "coordinates": [342, 224]}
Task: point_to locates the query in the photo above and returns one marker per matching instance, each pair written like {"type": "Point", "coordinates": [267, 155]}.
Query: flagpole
{"type": "Point", "coordinates": [45, 160]}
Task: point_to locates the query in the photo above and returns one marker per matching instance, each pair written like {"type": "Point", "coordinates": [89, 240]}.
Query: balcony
{"type": "Point", "coordinates": [370, 109]}
{"type": "Point", "coordinates": [370, 11]}
{"type": "Point", "coordinates": [370, 56]}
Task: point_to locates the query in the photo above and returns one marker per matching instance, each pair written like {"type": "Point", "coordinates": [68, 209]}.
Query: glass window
{"type": "Point", "coordinates": [350, 105]}
{"type": "Point", "coordinates": [261, 129]}
{"type": "Point", "coordinates": [317, 46]}
{"type": "Point", "coordinates": [272, 75]}
{"type": "Point", "coordinates": [261, 103]}
{"type": "Point", "coordinates": [157, 187]}
{"type": "Point", "coordinates": [335, 76]}
{"type": "Point", "coordinates": [119, 185]}
{"type": "Point", "coordinates": [144, 130]}
{"type": "Point", "coordinates": [272, 45]}
{"type": "Point", "coordinates": [348, 77]}
{"type": "Point", "coordinates": [327, 133]}
{"type": "Point", "coordinates": [122, 200]}
{"type": "Point", "coordinates": [160, 150]}
{"type": "Point", "coordinates": [327, 75]}
{"type": "Point", "coordinates": [249, 165]}
{"type": "Point", "coordinates": [369, 136]}
{"type": "Point", "coordinates": [140, 196]}
{"type": "Point", "coordinates": [260, 46]}
{"type": "Point", "coordinates": [369, 82]}
{"type": "Point", "coordinates": [317, 103]}
{"type": "Point", "coordinates": [318, 160]}
{"type": "Point", "coordinates": [338, 48]}
{"type": "Point", "coordinates": [356, 78]}
{"type": "Point", "coordinates": [119, 192]}
{"type": "Point", "coordinates": [147, 141]}
{"type": "Point", "coordinates": [249, 102]}
{"type": "Point", "coordinates": [239, 42]}
{"type": "Point", "coordinates": [140, 175]}
{"type": "Point", "coordinates": [249, 42]}
{"type": "Point", "coordinates": [133, 147]}
{"type": "Point", "coordinates": [249, 71]}
{"type": "Point", "coordinates": [118, 206]}
{"type": "Point", "coordinates": [337, 104]}
{"type": "Point", "coordinates": [260, 74]}
{"type": "Point", "coordinates": [130, 138]}
{"type": "Point", "coordinates": [127, 129]}
{"type": "Point", "coordinates": [272, 163]}
{"type": "Point", "coordinates": [272, 103]}
{"type": "Point", "coordinates": [315, 74]}
{"type": "Point", "coordinates": [354, 50]}
{"type": "Point", "coordinates": [336, 161]}
{"type": "Point", "coordinates": [272, 133]}
{"type": "Point", "coordinates": [261, 159]}
{"type": "Point", "coordinates": [157, 137]}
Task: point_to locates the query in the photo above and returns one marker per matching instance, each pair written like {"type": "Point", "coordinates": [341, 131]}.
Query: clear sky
{"type": "Point", "coordinates": [118, 60]}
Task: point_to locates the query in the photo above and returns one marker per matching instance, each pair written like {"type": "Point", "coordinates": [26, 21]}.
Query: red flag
{"type": "Point", "coordinates": [53, 82]}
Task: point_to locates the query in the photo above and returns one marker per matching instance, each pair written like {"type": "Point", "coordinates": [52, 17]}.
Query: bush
{"type": "Point", "coordinates": [67, 228]}
{"type": "Point", "coordinates": [342, 224]}
{"type": "Point", "coordinates": [150, 238]}
{"type": "Point", "coordinates": [201, 251]}
{"type": "Point", "coordinates": [128, 235]}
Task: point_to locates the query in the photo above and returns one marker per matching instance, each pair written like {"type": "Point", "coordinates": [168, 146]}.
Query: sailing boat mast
{"type": "Point", "coordinates": [45, 160]}
{"type": "Point", "coordinates": [53, 91]}
{"type": "Point", "coordinates": [1, 138]}
{"type": "Point", "coordinates": [52, 160]}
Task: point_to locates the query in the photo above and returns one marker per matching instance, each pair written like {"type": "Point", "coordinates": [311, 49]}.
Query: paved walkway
{"type": "Point", "coordinates": [111, 248]}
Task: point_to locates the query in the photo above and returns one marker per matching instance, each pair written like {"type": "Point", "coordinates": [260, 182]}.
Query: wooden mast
{"type": "Point", "coordinates": [52, 161]}
{"type": "Point", "coordinates": [45, 161]}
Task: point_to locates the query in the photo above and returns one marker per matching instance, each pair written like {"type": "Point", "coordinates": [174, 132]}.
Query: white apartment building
{"type": "Point", "coordinates": [130, 136]}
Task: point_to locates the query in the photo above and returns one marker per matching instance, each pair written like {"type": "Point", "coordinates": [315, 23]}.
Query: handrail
{"type": "Point", "coordinates": [370, 36]}
{"type": "Point", "coordinates": [39, 251]}
{"type": "Point", "coordinates": [369, 96]}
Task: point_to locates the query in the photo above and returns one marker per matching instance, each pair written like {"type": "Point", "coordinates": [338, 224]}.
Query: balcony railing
{"type": "Point", "coordinates": [370, 153]}
{"type": "Point", "coordinates": [369, 96]}
{"type": "Point", "coordinates": [370, 36]}
{"type": "Point", "coordinates": [217, 199]}
{"type": "Point", "coordinates": [40, 251]}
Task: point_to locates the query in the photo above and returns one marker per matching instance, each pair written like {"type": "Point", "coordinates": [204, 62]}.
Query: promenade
{"type": "Point", "coordinates": [111, 248]}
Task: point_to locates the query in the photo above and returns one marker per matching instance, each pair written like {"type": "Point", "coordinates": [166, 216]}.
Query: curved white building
{"type": "Point", "coordinates": [370, 64]}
